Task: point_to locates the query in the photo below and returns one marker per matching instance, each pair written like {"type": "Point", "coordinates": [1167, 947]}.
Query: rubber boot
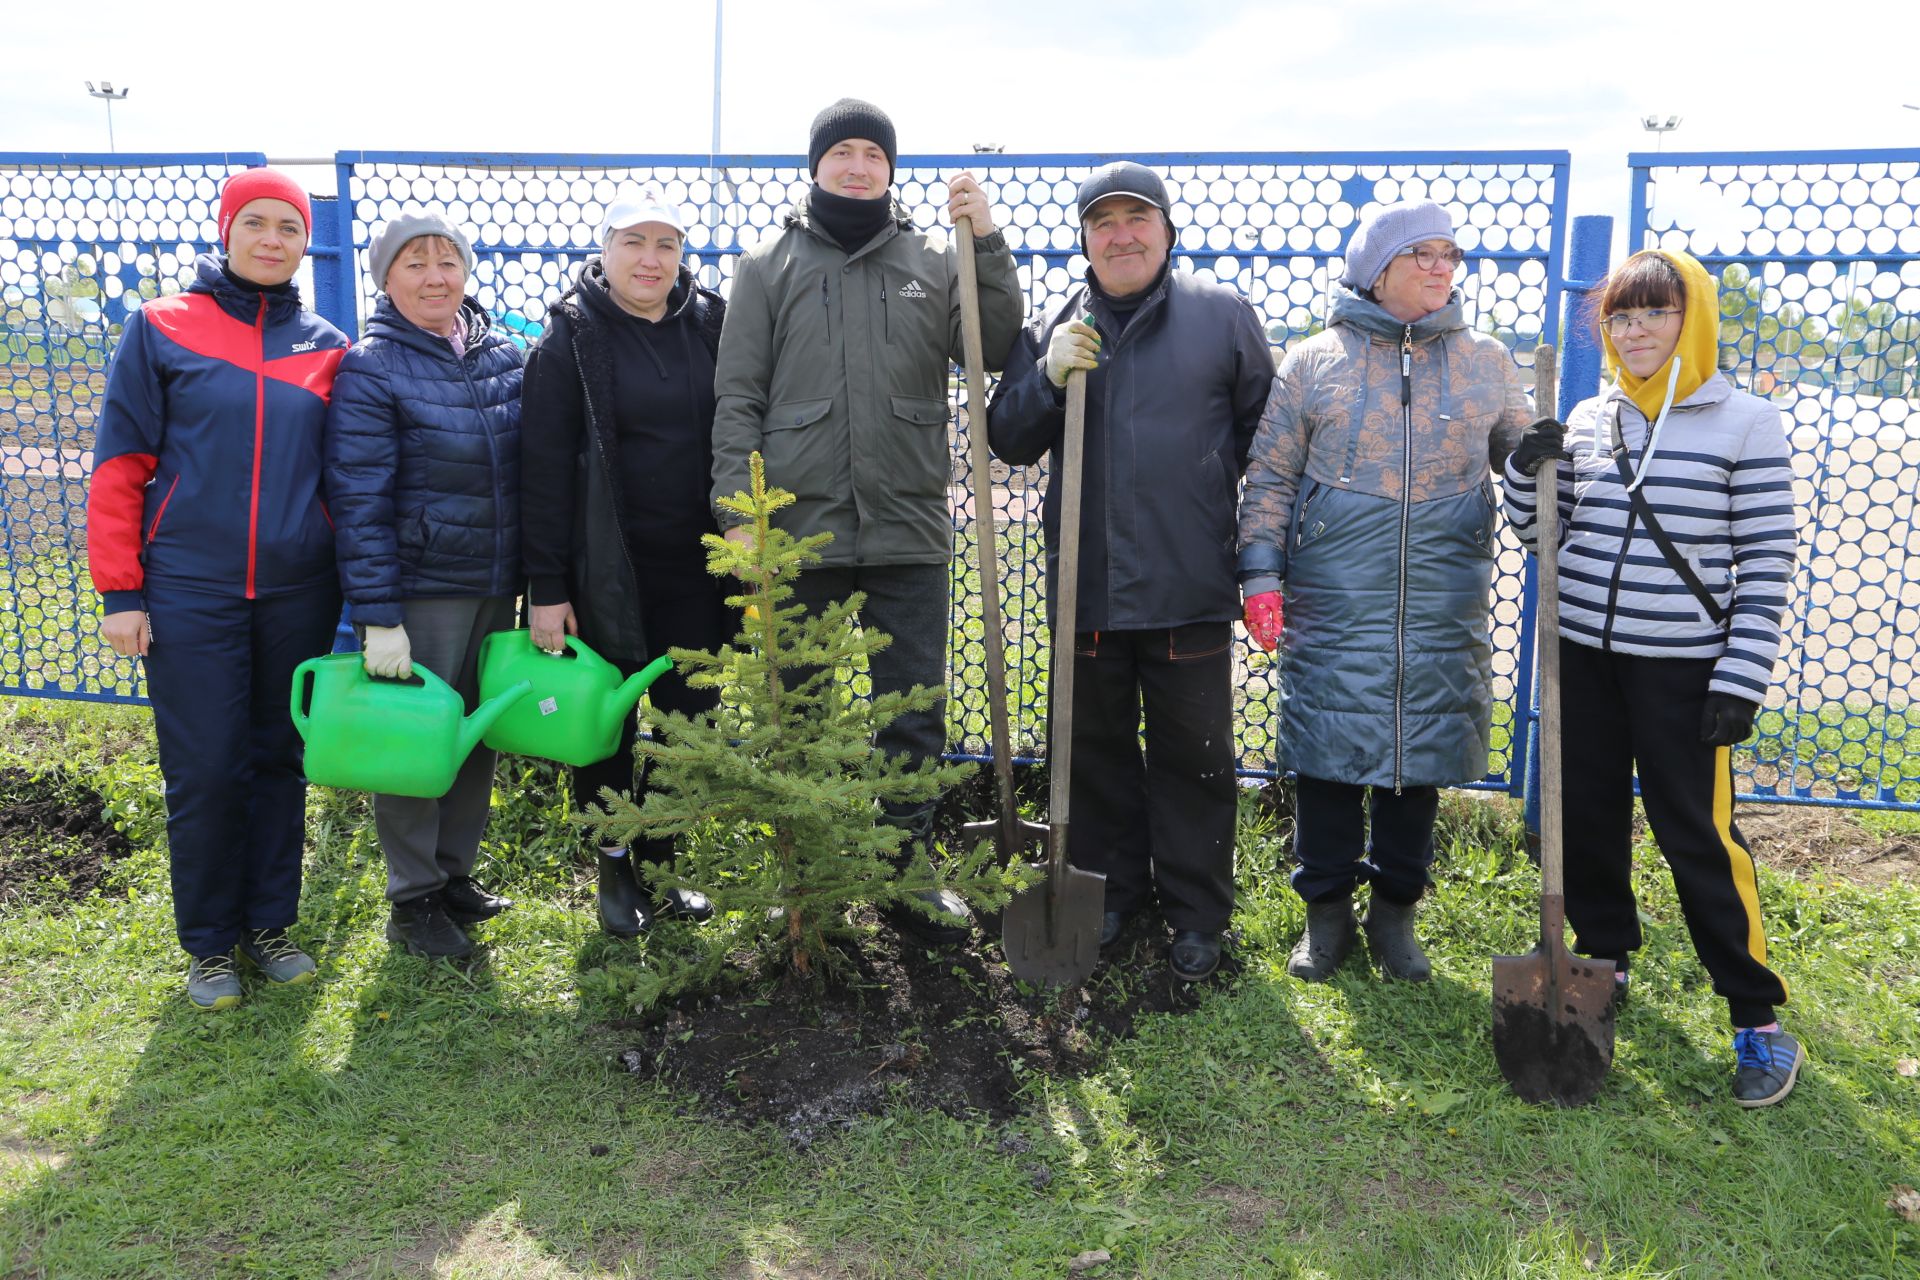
{"type": "Point", "coordinates": [1389, 927]}
{"type": "Point", "coordinates": [919, 828]}
{"type": "Point", "coordinates": [1326, 944]}
{"type": "Point", "coordinates": [624, 912]}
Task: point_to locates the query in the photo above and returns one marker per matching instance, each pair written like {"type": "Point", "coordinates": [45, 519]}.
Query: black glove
{"type": "Point", "coordinates": [1726, 720]}
{"type": "Point", "coordinates": [1544, 439]}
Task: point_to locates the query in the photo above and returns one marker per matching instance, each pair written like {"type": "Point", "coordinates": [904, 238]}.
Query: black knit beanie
{"type": "Point", "coordinates": [850, 118]}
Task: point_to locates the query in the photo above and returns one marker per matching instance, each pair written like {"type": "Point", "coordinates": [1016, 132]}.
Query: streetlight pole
{"type": "Point", "coordinates": [109, 95]}
{"type": "Point", "coordinates": [1659, 126]}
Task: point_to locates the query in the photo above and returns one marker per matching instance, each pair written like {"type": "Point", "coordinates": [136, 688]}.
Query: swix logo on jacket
{"type": "Point", "coordinates": [207, 458]}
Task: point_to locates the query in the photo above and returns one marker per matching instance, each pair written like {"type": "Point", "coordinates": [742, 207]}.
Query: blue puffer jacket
{"type": "Point", "coordinates": [423, 465]}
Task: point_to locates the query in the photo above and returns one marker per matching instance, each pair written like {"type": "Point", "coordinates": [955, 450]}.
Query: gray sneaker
{"type": "Point", "coordinates": [213, 983]}
{"type": "Point", "coordinates": [274, 955]}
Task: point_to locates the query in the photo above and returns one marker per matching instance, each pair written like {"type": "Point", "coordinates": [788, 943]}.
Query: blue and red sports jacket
{"type": "Point", "coordinates": [207, 457]}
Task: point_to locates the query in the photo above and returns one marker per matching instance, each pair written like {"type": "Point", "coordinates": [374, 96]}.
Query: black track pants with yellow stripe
{"type": "Point", "coordinates": [1619, 710]}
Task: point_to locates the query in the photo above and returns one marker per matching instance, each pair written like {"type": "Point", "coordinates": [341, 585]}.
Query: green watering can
{"type": "Point", "coordinates": [396, 737]}
{"type": "Point", "coordinates": [579, 701]}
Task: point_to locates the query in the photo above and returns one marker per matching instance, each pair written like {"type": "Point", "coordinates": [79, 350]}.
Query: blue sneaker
{"type": "Point", "coordinates": [1765, 1066]}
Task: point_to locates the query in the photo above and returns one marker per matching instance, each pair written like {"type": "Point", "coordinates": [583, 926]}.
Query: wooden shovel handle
{"type": "Point", "coordinates": [1546, 497]}
{"type": "Point", "coordinates": [984, 532]}
{"type": "Point", "coordinates": [1066, 598]}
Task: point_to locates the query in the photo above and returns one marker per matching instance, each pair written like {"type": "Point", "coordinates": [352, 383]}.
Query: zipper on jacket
{"type": "Point", "coordinates": [1406, 519]}
{"type": "Point", "coordinates": [826, 311]}
{"type": "Point", "coordinates": [259, 442]}
{"type": "Point", "coordinates": [606, 468]}
{"type": "Point", "coordinates": [493, 460]}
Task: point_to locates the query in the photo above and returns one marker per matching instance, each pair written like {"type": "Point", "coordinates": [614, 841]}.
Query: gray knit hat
{"type": "Point", "coordinates": [410, 225]}
{"type": "Point", "coordinates": [1386, 232]}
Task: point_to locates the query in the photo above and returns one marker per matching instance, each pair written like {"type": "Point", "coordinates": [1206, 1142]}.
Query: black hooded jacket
{"type": "Point", "coordinates": [616, 451]}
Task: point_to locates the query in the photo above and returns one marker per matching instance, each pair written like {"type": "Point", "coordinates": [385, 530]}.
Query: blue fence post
{"type": "Point", "coordinates": [1588, 258]}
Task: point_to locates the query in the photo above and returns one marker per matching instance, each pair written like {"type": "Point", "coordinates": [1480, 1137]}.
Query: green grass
{"type": "Point", "coordinates": [397, 1119]}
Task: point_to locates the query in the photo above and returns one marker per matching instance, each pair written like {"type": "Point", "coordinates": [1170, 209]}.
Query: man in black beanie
{"type": "Point", "coordinates": [833, 365]}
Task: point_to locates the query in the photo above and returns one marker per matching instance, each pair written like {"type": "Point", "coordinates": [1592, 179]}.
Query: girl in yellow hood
{"type": "Point", "coordinates": [1676, 500]}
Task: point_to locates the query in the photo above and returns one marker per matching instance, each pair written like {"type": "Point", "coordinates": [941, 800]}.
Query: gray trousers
{"type": "Point", "coordinates": [909, 602]}
{"type": "Point", "coordinates": [428, 842]}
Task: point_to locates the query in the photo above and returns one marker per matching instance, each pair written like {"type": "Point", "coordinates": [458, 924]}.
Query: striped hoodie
{"type": "Point", "coordinates": [1720, 482]}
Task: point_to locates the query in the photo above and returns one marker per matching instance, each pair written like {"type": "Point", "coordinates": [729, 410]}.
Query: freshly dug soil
{"type": "Point", "coordinates": [1801, 838]}
{"type": "Point", "coordinates": [941, 1029]}
{"type": "Point", "coordinates": [55, 839]}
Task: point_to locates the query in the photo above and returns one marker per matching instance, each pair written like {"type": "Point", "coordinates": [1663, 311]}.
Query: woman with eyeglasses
{"type": "Point", "coordinates": [1369, 502]}
{"type": "Point", "coordinates": [1678, 538]}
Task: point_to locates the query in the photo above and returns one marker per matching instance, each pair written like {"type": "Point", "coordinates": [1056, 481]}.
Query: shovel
{"type": "Point", "coordinates": [1552, 1010]}
{"type": "Point", "coordinates": [1051, 932]}
{"type": "Point", "coordinates": [1011, 835]}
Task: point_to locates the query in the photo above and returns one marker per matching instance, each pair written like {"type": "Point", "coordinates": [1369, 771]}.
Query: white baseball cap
{"type": "Point", "coordinates": [634, 205]}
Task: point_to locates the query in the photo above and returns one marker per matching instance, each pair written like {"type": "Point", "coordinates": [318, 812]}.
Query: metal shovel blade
{"type": "Point", "coordinates": [1553, 1024]}
{"type": "Point", "coordinates": [1051, 931]}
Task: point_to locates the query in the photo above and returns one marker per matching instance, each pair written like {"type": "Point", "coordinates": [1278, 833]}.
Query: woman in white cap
{"type": "Point", "coordinates": [1369, 500]}
{"type": "Point", "coordinates": [617, 449]}
{"type": "Point", "coordinates": [423, 467]}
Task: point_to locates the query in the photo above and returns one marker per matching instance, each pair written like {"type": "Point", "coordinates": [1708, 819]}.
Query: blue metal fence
{"type": "Point", "coordinates": [1270, 224]}
{"type": "Point", "coordinates": [1818, 258]}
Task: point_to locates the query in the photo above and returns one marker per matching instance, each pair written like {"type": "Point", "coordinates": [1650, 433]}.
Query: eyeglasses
{"type": "Point", "coordinates": [1652, 321]}
{"type": "Point", "coordinates": [1427, 259]}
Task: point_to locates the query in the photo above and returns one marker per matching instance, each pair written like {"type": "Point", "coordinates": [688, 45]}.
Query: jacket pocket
{"type": "Point", "coordinates": [161, 511]}
{"type": "Point", "coordinates": [1307, 525]}
{"type": "Point", "coordinates": [922, 459]}
{"type": "Point", "coordinates": [798, 452]}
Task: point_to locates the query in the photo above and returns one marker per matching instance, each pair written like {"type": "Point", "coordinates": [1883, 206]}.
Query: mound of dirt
{"type": "Point", "coordinates": [948, 1030]}
{"type": "Point", "coordinates": [55, 839]}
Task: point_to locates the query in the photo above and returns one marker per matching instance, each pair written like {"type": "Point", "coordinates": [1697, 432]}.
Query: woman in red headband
{"type": "Point", "coordinates": [212, 550]}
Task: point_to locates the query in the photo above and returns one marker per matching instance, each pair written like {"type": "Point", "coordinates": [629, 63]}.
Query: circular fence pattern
{"type": "Point", "coordinates": [80, 248]}
{"type": "Point", "coordinates": [1271, 229]}
{"type": "Point", "coordinates": [1819, 269]}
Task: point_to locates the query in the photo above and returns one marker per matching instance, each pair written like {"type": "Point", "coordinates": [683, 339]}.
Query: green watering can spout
{"type": "Point", "coordinates": [475, 726]}
{"type": "Point", "coordinates": [624, 699]}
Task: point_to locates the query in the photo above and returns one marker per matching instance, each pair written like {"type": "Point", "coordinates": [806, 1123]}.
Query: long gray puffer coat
{"type": "Point", "coordinates": [1370, 498]}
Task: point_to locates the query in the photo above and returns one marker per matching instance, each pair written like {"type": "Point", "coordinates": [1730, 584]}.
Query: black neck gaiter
{"type": "Point", "coordinates": [850, 222]}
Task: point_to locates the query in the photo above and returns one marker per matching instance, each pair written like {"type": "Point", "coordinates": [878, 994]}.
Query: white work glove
{"type": "Point", "coordinates": [1075, 345]}
{"type": "Point", "coordinates": [385, 652]}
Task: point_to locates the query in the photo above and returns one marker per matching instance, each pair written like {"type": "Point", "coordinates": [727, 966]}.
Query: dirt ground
{"type": "Point", "coordinates": [56, 842]}
{"type": "Point", "coordinates": [1801, 839]}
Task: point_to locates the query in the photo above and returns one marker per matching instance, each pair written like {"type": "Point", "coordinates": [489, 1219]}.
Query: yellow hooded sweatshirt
{"type": "Point", "coordinates": [1697, 354]}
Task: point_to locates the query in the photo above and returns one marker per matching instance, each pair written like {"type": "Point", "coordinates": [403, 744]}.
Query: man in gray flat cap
{"type": "Point", "coordinates": [1178, 371]}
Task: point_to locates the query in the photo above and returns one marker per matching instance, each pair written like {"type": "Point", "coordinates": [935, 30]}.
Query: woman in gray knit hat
{"type": "Point", "coordinates": [1369, 503]}
{"type": "Point", "coordinates": [423, 469]}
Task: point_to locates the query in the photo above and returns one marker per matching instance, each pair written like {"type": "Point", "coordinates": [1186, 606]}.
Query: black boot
{"type": "Point", "coordinates": [423, 927]}
{"type": "Point", "coordinates": [1195, 955]}
{"type": "Point", "coordinates": [1389, 927]}
{"type": "Point", "coordinates": [469, 902]}
{"type": "Point", "coordinates": [934, 932]}
{"type": "Point", "coordinates": [668, 904]}
{"type": "Point", "coordinates": [624, 911]}
{"type": "Point", "coordinates": [1324, 947]}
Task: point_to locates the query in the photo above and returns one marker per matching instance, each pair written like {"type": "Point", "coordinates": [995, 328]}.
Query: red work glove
{"type": "Point", "coordinates": [1265, 620]}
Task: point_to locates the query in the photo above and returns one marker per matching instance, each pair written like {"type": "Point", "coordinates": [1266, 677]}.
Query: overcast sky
{"type": "Point", "coordinates": [1125, 75]}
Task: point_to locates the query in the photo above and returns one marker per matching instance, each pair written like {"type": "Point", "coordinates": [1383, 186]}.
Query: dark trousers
{"type": "Point", "coordinates": [1620, 709]}
{"type": "Point", "coordinates": [1159, 823]}
{"type": "Point", "coordinates": [218, 674]}
{"type": "Point", "coordinates": [689, 621]}
{"type": "Point", "coordinates": [910, 603]}
{"type": "Point", "coordinates": [428, 842]}
{"type": "Point", "coordinates": [1344, 833]}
